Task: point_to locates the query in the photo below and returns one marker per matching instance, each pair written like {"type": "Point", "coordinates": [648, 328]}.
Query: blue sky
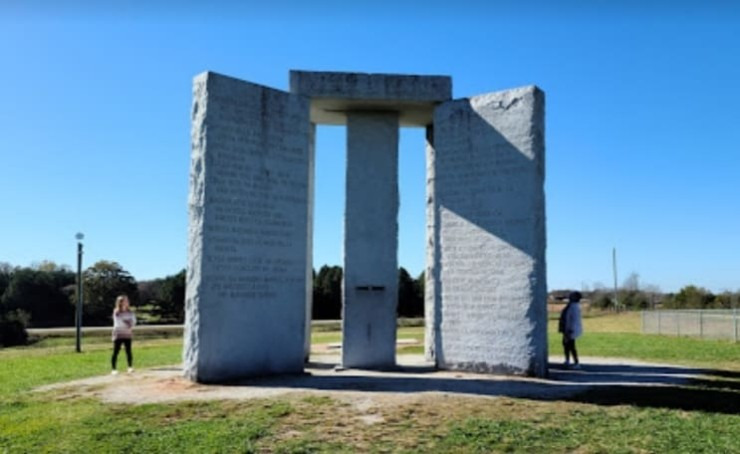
{"type": "Point", "coordinates": [643, 126]}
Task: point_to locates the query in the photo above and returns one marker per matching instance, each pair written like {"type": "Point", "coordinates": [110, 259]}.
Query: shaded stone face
{"type": "Point", "coordinates": [248, 300]}
{"type": "Point", "coordinates": [486, 227]}
{"type": "Point", "coordinates": [333, 94]}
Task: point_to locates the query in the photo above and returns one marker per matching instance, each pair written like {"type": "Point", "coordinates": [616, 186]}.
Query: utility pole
{"type": "Point", "coordinates": [78, 312]}
{"type": "Point", "coordinates": [614, 267]}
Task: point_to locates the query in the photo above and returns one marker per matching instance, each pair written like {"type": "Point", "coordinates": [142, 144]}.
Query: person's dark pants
{"type": "Point", "coordinates": [569, 346]}
{"type": "Point", "coordinates": [117, 348]}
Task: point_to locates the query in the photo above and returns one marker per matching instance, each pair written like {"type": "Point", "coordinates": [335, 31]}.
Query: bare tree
{"type": "Point", "coordinates": [632, 283]}
{"type": "Point", "coordinates": [653, 293]}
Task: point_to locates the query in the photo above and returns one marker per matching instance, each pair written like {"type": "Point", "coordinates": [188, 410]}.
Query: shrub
{"type": "Point", "coordinates": [41, 295]}
{"type": "Point", "coordinates": [13, 328]}
{"type": "Point", "coordinates": [601, 301]}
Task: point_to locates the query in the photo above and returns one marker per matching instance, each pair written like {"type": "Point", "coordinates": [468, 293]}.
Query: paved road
{"type": "Point", "coordinates": [70, 330]}
{"type": "Point", "coordinates": [64, 331]}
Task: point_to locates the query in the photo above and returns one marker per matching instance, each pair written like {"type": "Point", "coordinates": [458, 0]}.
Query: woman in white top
{"type": "Point", "coordinates": [124, 321]}
{"type": "Point", "coordinates": [571, 327]}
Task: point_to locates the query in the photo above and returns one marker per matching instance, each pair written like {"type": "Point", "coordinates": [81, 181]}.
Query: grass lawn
{"type": "Point", "coordinates": [619, 336]}
{"type": "Point", "coordinates": [609, 335]}
{"type": "Point", "coordinates": [57, 422]}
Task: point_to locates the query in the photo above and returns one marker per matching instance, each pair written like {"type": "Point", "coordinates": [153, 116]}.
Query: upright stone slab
{"type": "Point", "coordinates": [370, 286]}
{"type": "Point", "coordinates": [247, 253]}
{"type": "Point", "coordinates": [486, 289]}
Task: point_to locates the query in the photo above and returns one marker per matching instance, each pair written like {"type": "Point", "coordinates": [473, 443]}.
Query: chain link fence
{"type": "Point", "coordinates": [708, 324]}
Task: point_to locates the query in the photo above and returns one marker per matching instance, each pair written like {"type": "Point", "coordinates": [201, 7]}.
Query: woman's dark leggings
{"type": "Point", "coordinates": [117, 348]}
{"type": "Point", "coordinates": [569, 345]}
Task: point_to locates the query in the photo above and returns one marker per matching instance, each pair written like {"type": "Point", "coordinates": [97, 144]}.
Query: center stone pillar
{"type": "Point", "coordinates": [370, 285]}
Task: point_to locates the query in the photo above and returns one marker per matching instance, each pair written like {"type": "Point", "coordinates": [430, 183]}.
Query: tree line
{"type": "Point", "coordinates": [632, 295]}
{"type": "Point", "coordinates": [688, 297]}
{"type": "Point", "coordinates": [327, 294]}
{"type": "Point", "coordinates": [45, 295]}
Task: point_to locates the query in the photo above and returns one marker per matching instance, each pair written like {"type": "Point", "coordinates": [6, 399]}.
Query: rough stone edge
{"type": "Point", "coordinates": [196, 195]}
{"type": "Point", "coordinates": [432, 308]}
{"type": "Point", "coordinates": [309, 240]}
{"type": "Point", "coordinates": [539, 367]}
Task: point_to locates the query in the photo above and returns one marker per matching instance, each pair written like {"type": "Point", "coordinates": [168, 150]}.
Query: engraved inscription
{"type": "Point", "coordinates": [257, 197]}
{"type": "Point", "coordinates": [486, 212]}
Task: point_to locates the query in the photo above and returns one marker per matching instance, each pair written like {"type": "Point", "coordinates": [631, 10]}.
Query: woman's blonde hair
{"type": "Point", "coordinates": [119, 302]}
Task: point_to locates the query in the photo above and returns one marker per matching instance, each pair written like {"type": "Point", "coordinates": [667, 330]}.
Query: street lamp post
{"type": "Point", "coordinates": [78, 312]}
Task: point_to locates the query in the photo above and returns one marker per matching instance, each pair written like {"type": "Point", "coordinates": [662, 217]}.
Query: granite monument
{"type": "Point", "coordinates": [248, 302]}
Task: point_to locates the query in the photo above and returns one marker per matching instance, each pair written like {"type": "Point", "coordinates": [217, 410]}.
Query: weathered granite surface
{"type": "Point", "coordinates": [309, 239]}
{"type": "Point", "coordinates": [248, 227]}
{"type": "Point", "coordinates": [370, 286]}
{"type": "Point", "coordinates": [486, 280]}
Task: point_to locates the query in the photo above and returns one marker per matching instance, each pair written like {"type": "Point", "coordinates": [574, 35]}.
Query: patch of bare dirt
{"type": "Point", "coordinates": [368, 391]}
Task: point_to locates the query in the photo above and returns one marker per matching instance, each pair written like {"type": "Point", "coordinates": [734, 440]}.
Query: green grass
{"type": "Point", "coordinates": [621, 420]}
{"type": "Point", "coordinates": [53, 423]}
{"type": "Point", "coordinates": [596, 430]}
{"type": "Point", "coordinates": [25, 368]}
{"type": "Point", "coordinates": [85, 425]}
{"type": "Point", "coordinates": [326, 337]}
{"type": "Point", "coordinates": [686, 351]}
{"type": "Point", "coordinates": [98, 338]}
{"type": "Point", "coordinates": [618, 336]}
{"type": "Point", "coordinates": [609, 335]}
{"type": "Point", "coordinates": [331, 337]}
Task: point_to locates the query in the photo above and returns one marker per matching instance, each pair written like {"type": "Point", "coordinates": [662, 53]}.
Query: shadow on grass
{"type": "Point", "coordinates": [667, 387]}
{"type": "Point", "coordinates": [724, 374]}
{"type": "Point", "coordinates": [685, 398]}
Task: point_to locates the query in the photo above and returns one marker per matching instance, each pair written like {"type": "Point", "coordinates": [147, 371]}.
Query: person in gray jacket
{"type": "Point", "coordinates": [571, 326]}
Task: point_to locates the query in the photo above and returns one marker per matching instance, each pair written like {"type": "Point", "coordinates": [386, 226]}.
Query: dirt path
{"type": "Point", "coordinates": [414, 378]}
